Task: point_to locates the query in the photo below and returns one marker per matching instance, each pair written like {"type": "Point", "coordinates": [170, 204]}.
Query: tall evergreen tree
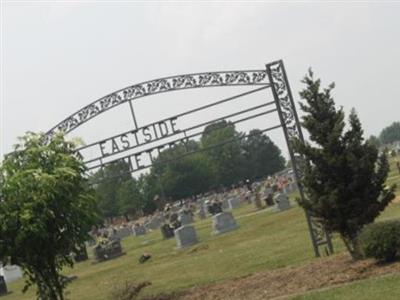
{"type": "Point", "coordinates": [344, 178]}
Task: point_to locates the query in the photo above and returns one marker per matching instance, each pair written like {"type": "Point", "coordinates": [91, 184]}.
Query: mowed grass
{"type": "Point", "coordinates": [385, 287]}
{"type": "Point", "coordinates": [264, 240]}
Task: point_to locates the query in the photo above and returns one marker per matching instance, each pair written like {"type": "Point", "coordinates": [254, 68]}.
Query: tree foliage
{"type": "Point", "coordinates": [374, 141]}
{"type": "Point", "coordinates": [182, 175]}
{"type": "Point", "coordinates": [390, 134]}
{"type": "Point", "coordinates": [261, 155]}
{"type": "Point", "coordinates": [224, 152]}
{"type": "Point", "coordinates": [223, 156]}
{"type": "Point", "coordinates": [345, 178]}
{"type": "Point", "coordinates": [46, 210]}
{"type": "Point", "coordinates": [107, 183]}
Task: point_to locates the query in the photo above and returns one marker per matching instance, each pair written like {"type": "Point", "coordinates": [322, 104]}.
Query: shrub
{"type": "Point", "coordinates": [382, 240]}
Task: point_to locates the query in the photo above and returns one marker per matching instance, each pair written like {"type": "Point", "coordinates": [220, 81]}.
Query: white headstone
{"type": "Point", "coordinates": [202, 212]}
{"type": "Point", "coordinates": [185, 236]}
{"type": "Point", "coordinates": [234, 202]}
{"type": "Point", "coordinates": [10, 273]}
{"type": "Point", "coordinates": [223, 222]}
{"type": "Point", "coordinates": [282, 201]}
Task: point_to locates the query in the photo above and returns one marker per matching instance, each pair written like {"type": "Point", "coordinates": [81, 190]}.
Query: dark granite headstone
{"type": "Point", "coordinates": [138, 229]}
{"type": "Point", "coordinates": [3, 286]}
{"type": "Point", "coordinates": [167, 231]}
{"type": "Point", "coordinates": [108, 251]}
{"type": "Point", "coordinates": [82, 254]}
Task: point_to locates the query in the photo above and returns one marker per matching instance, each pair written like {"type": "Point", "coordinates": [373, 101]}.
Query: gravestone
{"type": "Point", "coordinates": [167, 231]}
{"type": "Point", "coordinates": [267, 192]}
{"type": "Point", "coordinates": [90, 242]}
{"type": "Point", "coordinates": [123, 232]}
{"type": "Point", "coordinates": [257, 201]}
{"type": "Point", "coordinates": [223, 222]}
{"type": "Point", "coordinates": [138, 229]}
{"type": "Point", "coordinates": [234, 202]}
{"type": "Point", "coordinates": [82, 254]}
{"type": "Point", "coordinates": [185, 236]}
{"type": "Point", "coordinates": [3, 286]}
{"type": "Point", "coordinates": [202, 212]}
{"type": "Point", "coordinates": [224, 204]}
{"type": "Point", "coordinates": [292, 187]}
{"type": "Point", "coordinates": [10, 272]}
{"type": "Point", "coordinates": [282, 201]}
{"type": "Point", "coordinates": [185, 217]}
{"type": "Point", "coordinates": [147, 226]}
{"type": "Point", "coordinates": [155, 222]}
{"type": "Point", "coordinates": [108, 250]}
{"type": "Point", "coordinates": [214, 207]}
{"type": "Point", "coordinates": [268, 196]}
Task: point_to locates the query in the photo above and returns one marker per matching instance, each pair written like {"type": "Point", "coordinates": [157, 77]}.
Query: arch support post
{"type": "Point", "coordinates": [320, 238]}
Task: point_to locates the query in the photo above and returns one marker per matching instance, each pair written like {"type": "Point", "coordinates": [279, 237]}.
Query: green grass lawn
{"type": "Point", "coordinates": [386, 287]}
{"type": "Point", "coordinates": [265, 240]}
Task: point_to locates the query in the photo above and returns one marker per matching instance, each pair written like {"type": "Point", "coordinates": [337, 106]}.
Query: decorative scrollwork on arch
{"type": "Point", "coordinates": [199, 80]}
{"type": "Point", "coordinates": [291, 126]}
{"type": "Point", "coordinates": [286, 104]}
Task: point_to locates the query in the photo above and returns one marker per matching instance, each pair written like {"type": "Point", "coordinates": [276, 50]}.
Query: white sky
{"type": "Point", "coordinates": [59, 56]}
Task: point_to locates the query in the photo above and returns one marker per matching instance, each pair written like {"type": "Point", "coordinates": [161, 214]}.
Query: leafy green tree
{"type": "Point", "coordinates": [149, 187]}
{"type": "Point", "coordinates": [345, 178]}
{"type": "Point", "coordinates": [130, 199]}
{"type": "Point", "coordinates": [107, 183]}
{"type": "Point", "coordinates": [46, 210]}
{"type": "Point", "coordinates": [262, 156]}
{"type": "Point", "coordinates": [162, 162]}
{"type": "Point", "coordinates": [390, 134]}
{"type": "Point", "coordinates": [224, 152]}
{"type": "Point", "coordinates": [187, 176]}
{"type": "Point", "coordinates": [183, 174]}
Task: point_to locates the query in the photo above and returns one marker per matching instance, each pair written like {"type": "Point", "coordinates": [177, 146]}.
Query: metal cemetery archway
{"type": "Point", "coordinates": [125, 145]}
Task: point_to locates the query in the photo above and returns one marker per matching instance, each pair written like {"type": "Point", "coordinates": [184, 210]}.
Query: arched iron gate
{"type": "Point", "coordinates": [272, 77]}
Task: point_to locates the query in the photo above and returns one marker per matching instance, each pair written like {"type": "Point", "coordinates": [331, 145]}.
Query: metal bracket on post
{"type": "Point", "coordinates": [292, 130]}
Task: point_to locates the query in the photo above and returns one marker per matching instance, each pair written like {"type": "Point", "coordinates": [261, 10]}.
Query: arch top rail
{"type": "Point", "coordinates": [161, 85]}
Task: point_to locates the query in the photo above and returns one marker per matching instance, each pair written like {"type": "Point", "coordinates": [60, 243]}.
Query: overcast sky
{"type": "Point", "coordinates": [58, 57]}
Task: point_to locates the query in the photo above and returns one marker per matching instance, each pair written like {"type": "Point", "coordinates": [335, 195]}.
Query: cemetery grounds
{"type": "Point", "coordinates": [268, 257]}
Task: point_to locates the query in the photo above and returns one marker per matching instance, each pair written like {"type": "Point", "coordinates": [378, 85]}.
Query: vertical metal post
{"type": "Point", "coordinates": [292, 130]}
{"type": "Point", "coordinates": [133, 114]}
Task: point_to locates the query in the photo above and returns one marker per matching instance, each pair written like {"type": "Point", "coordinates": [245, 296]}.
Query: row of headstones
{"type": "Point", "coordinates": [186, 234]}
{"type": "Point", "coordinates": [280, 200]}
